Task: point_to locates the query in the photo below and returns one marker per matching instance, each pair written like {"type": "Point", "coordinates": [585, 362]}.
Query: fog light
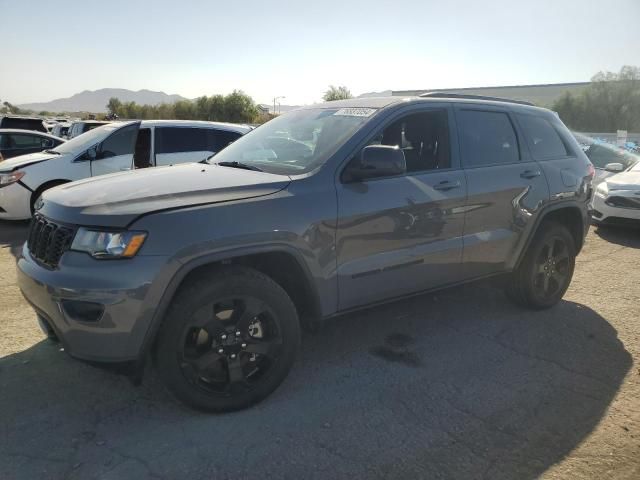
{"type": "Point", "coordinates": [82, 311]}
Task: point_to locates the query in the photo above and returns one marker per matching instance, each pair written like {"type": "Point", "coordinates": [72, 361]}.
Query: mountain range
{"type": "Point", "coordinates": [96, 100]}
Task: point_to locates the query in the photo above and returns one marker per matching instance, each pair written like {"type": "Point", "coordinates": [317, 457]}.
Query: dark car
{"type": "Point", "coordinates": [602, 154]}
{"type": "Point", "coordinates": [212, 269]}
{"type": "Point", "coordinates": [14, 142]}
{"type": "Point", "coordinates": [23, 123]}
{"type": "Point", "coordinates": [78, 128]}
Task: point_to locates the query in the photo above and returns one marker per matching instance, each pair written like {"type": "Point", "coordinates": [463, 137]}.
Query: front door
{"type": "Point", "coordinates": [403, 234]}
{"type": "Point", "coordinates": [115, 153]}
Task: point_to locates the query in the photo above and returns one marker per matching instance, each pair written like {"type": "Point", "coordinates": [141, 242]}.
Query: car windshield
{"type": "Point", "coordinates": [296, 142]}
{"type": "Point", "coordinates": [88, 139]}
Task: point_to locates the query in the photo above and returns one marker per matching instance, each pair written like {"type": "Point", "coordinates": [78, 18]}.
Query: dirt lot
{"type": "Point", "coordinates": [460, 384]}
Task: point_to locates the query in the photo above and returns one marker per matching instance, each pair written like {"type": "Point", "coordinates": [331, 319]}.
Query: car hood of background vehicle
{"type": "Point", "coordinates": [21, 161]}
{"type": "Point", "coordinates": [118, 199]}
{"type": "Point", "coordinates": [624, 181]}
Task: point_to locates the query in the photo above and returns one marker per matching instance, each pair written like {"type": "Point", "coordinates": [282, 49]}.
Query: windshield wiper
{"type": "Point", "coordinates": [52, 151]}
{"type": "Point", "coordinates": [243, 166]}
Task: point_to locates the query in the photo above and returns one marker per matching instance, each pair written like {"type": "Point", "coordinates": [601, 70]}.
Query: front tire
{"type": "Point", "coordinates": [229, 339]}
{"type": "Point", "coordinates": [545, 273]}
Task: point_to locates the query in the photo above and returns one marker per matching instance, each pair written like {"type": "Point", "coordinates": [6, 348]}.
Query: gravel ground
{"type": "Point", "coordinates": [460, 384]}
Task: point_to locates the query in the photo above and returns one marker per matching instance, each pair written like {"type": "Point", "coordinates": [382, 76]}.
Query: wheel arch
{"type": "Point", "coordinates": [36, 192]}
{"type": "Point", "coordinates": [569, 214]}
{"type": "Point", "coordinates": [284, 264]}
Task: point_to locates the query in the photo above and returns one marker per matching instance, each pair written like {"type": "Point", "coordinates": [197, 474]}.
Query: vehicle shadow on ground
{"type": "Point", "coordinates": [624, 236]}
{"type": "Point", "coordinates": [13, 235]}
{"type": "Point", "coordinates": [455, 385]}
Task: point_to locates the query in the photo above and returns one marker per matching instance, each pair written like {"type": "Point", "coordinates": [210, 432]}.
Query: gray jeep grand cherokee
{"type": "Point", "coordinates": [211, 269]}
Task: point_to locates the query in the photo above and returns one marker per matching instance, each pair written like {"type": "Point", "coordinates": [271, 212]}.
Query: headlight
{"type": "Point", "coordinates": [9, 178]}
{"type": "Point", "coordinates": [103, 245]}
{"type": "Point", "coordinates": [603, 190]}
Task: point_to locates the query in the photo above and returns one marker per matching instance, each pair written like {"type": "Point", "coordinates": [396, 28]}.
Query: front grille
{"type": "Point", "coordinates": [48, 240]}
{"type": "Point", "coordinates": [623, 202]}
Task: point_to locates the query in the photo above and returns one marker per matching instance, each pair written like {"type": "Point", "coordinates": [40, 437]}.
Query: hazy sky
{"type": "Point", "coordinates": [53, 49]}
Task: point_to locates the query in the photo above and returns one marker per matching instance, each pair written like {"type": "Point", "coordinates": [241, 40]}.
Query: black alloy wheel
{"type": "Point", "coordinates": [228, 340]}
{"type": "Point", "coordinates": [229, 344]}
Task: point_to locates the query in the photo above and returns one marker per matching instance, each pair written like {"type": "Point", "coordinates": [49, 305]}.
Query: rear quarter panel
{"type": "Point", "coordinates": [569, 180]}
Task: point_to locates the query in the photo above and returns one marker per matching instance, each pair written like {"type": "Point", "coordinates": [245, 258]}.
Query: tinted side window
{"type": "Point", "coordinates": [121, 142]}
{"type": "Point", "coordinates": [90, 126]}
{"type": "Point", "coordinates": [181, 139]}
{"type": "Point", "coordinates": [218, 139]}
{"type": "Point", "coordinates": [487, 138]}
{"type": "Point", "coordinates": [544, 141]}
{"type": "Point", "coordinates": [23, 124]}
{"type": "Point", "coordinates": [25, 141]}
{"type": "Point", "coordinates": [423, 137]}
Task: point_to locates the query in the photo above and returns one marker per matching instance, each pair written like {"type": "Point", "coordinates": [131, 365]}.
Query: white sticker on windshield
{"type": "Point", "coordinates": [355, 112]}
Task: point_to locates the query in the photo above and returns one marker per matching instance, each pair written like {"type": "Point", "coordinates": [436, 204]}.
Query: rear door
{"type": "Point", "coordinates": [15, 144]}
{"type": "Point", "coordinates": [505, 186]}
{"type": "Point", "coordinates": [173, 145]}
{"type": "Point", "coordinates": [115, 153]}
{"type": "Point", "coordinates": [219, 139]}
{"type": "Point", "coordinates": [552, 145]}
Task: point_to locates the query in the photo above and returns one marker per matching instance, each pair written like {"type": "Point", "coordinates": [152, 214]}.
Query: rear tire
{"type": "Point", "coordinates": [545, 273]}
{"type": "Point", "coordinates": [228, 340]}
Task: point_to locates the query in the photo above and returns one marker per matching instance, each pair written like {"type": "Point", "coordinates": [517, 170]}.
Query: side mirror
{"type": "Point", "coordinates": [614, 167]}
{"type": "Point", "coordinates": [92, 153]}
{"type": "Point", "coordinates": [378, 161]}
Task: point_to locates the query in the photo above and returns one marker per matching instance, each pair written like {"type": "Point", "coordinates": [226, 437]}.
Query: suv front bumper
{"type": "Point", "coordinates": [100, 310]}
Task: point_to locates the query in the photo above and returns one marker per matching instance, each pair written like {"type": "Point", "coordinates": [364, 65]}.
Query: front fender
{"type": "Point", "coordinates": [176, 272]}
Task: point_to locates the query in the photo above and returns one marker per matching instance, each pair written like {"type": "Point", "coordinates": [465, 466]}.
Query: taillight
{"type": "Point", "coordinates": [592, 171]}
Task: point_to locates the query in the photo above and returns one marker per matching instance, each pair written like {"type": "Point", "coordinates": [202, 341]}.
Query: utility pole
{"type": "Point", "coordinates": [276, 99]}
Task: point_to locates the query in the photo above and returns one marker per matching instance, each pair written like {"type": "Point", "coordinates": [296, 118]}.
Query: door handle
{"type": "Point", "coordinates": [446, 185]}
{"type": "Point", "coordinates": [530, 173]}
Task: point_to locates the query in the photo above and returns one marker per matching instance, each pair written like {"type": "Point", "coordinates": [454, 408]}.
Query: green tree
{"type": "Point", "coordinates": [336, 93]}
{"type": "Point", "coordinates": [9, 108]}
{"type": "Point", "coordinates": [236, 107]}
{"type": "Point", "coordinates": [611, 102]}
{"type": "Point", "coordinates": [184, 110]}
{"type": "Point", "coordinates": [215, 108]}
{"type": "Point", "coordinates": [114, 106]}
{"type": "Point", "coordinates": [239, 108]}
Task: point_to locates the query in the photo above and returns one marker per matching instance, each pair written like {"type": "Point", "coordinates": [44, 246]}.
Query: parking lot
{"type": "Point", "coordinates": [458, 384]}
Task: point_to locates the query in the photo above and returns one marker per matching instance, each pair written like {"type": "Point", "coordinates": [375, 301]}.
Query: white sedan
{"type": "Point", "coordinates": [617, 199]}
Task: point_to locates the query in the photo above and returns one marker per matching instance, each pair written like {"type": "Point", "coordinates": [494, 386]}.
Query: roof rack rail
{"type": "Point", "coordinates": [473, 97]}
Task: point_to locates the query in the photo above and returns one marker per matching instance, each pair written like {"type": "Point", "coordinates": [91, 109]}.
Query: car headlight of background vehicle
{"type": "Point", "coordinates": [9, 178]}
{"type": "Point", "coordinates": [104, 244]}
{"type": "Point", "coordinates": [603, 190]}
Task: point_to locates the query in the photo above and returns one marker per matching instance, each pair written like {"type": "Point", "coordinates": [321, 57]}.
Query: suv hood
{"type": "Point", "coordinates": [624, 181]}
{"type": "Point", "coordinates": [25, 160]}
{"type": "Point", "coordinates": [118, 199]}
